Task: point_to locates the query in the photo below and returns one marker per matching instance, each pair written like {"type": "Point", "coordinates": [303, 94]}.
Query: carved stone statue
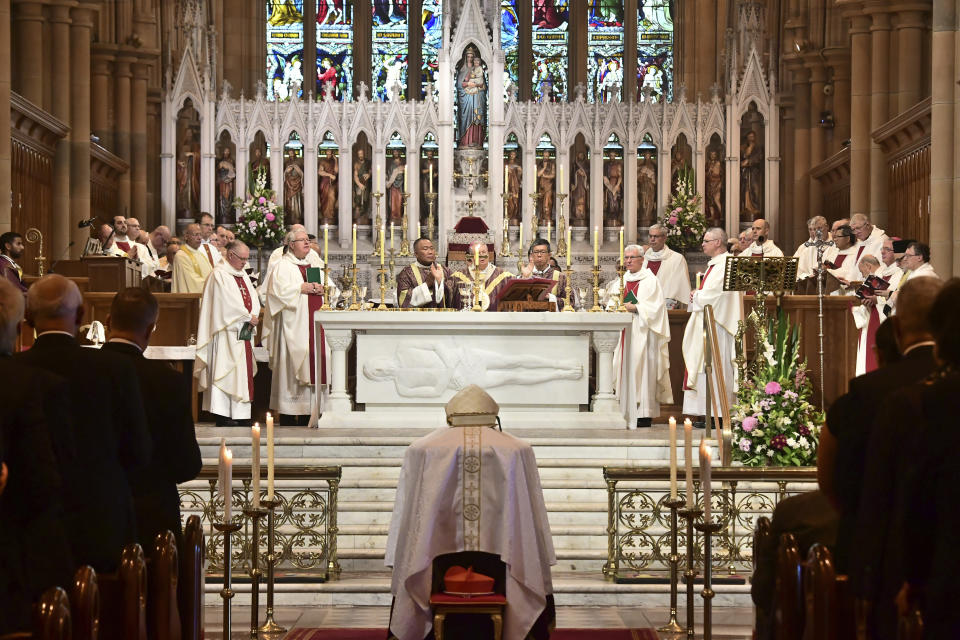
{"type": "Point", "coordinates": [714, 199]}
{"type": "Point", "coordinates": [328, 172]}
{"type": "Point", "coordinates": [361, 188]}
{"type": "Point", "coordinates": [514, 187]}
{"type": "Point", "coordinates": [580, 189]}
{"type": "Point", "coordinates": [613, 191]}
{"type": "Point", "coordinates": [395, 180]}
{"type": "Point", "coordinates": [646, 189]}
{"type": "Point", "coordinates": [751, 177]}
{"type": "Point", "coordinates": [226, 187]}
{"type": "Point", "coordinates": [292, 189]}
{"type": "Point", "coordinates": [546, 179]}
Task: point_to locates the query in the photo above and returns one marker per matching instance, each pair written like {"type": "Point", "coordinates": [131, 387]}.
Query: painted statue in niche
{"type": "Point", "coordinates": [514, 187]}
{"type": "Point", "coordinates": [612, 190]}
{"type": "Point", "coordinates": [471, 100]}
{"type": "Point", "coordinates": [681, 163]}
{"type": "Point", "coordinates": [328, 179]}
{"type": "Point", "coordinates": [751, 165]}
{"type": "Point", "coordinates": [580, 189]}
{"type": "Point", "coordinates": [546, 180]}
{"type": "Point", "coordinates": [258, 167]}
{"type": "Point", "coordinates": [292, 189]}
{"type": "Point", "coordinates": [361, 184]}
{"type": "Point", "coordinates": [714, 187]}
{"type": "Point", "coordinates": [396, 177]}
{"type": "Point", "coordinates": [226, 183]}
{"type": "Point", "coordinates": [188, 175]}
{"type": "Point", "coordinates": [646, 187]}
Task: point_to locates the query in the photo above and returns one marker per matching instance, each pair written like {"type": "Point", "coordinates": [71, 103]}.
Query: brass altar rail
{"type": "Point", "coordinates": [306, 518]}
{"type": "Point", "coordinates": [638, 527]}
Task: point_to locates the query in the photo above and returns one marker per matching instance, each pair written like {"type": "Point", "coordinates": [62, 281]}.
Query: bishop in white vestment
{"type": "Point", "coordinates": [727, 311]}
{"type": "Point", "coordinates": [642, 375]}
{"type": "Point", "coordinates": [669, 266]}
{"type": "Point", "coordinates": [225, 365]}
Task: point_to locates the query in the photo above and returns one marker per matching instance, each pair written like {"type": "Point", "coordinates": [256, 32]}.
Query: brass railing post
{"type": "Point", "coordinates": [610, 567]}
{"type": "Point", "coordinates": [333, 565]}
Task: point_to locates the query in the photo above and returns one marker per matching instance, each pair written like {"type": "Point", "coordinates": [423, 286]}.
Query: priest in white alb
{"type": "Point", "coordinates": [669, 266]}
{"type": "Point", "coordinates": [727, 311]}
{"type": "Point", "coordinates": [229, 313]}
{"type": "Point", "coordinates": [869, 237]}
{"type": "Point", "coordinates": [807, 255]}
{"type": "Point", "coordinates": [312, 256]}
{"type": "Point", "coordinates": [289, 333]}
{"type": "Point", "coordinates": [641, 374]}
{"type": "Point", "coordinates": [762, 245]}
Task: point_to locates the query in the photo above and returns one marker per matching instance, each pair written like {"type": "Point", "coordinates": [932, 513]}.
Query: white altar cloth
{"type": "Point", "coordinates": [469, 489]}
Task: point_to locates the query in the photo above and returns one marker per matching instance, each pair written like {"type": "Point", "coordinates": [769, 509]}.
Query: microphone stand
{"type": "Point", "coordinates": [821, 245]}
{"type": "Point", "coordinates": [62, 256]}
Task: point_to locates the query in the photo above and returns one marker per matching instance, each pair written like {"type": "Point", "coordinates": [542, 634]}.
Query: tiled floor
{"type": "Point", "coordinates": [728, 623]}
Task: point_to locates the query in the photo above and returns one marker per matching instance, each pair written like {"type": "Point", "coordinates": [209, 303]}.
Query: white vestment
{"type": "Point", "coordinates": [114, 251]}
{"type": "Point", "coordinates": [469, 489]}
{"type": "Point", "coordinates": [767, 250]}
{"type": "Point", "coordinates": [872, 245]}
{"type": "Point", "coordinates": [312, 257]}
{"type": "Point", "coordinates": [642, 380]}
{"type": "Point", "coordinates": [727, 311]}
{"type": "Point", "coordinates": [286, 334]}
{"type": "Point", "coordinates": [806, 260]}
{"type": "Point", "coordinates": [848, 268]}
{"type": "Point", "coordinates": [190, 270]}
{"type": "Point", "coordinates": [861, 317]}
{"type": "Point", "coordinates": [673, 274]}
{"type": "Point", "coordinates": [221, 363]}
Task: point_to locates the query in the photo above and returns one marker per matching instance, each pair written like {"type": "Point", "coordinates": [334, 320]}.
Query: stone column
{"type": "Point", "coordinates": [138, 142]}
{"type": "Point", "coordinates": [818, 138]}
{"type": "Point", "coordinates": [60, 108]}
{"type": "Point", "coordinates": [879, 114]}
{"type": "Point", "coordinates": [859, 108]}
{"type": "Point", "coordinates": [604, 343]}
{"type": "Point", "coordinates": [100, 98]}
{"type": "Point", "coordinates": [122, 75]}
{"type": "Point", "coordinates": [944, 218]}
{"type": "Point", "coordinates": [339, 341]}
{"type": "Point", "coordinates": [6, 159]}
{"type": "Point", "coordinates": [29, 50]}
{"type": "Point", "coordinates": [910, 27]}
{"type": "Point", "coordinates": [80, 33]}
{"type": "Point", "coordinates": [801, 154]}
{"type": "Point", "coordinates": [840, 64]}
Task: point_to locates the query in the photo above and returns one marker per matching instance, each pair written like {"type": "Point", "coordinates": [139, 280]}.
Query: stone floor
{"type": "Point", "coordinates": [729, 623]}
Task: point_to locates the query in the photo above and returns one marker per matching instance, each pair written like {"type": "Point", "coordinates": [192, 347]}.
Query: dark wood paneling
{"type": "Point", "coordinates": [32, 195]}
{"type": "Point", "coordinates": [908, 195]}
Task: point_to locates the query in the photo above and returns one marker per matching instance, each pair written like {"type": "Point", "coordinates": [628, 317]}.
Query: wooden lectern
{"type": "Point", "coordinates": [111, 273]}
{"type": "Point", "coordinates": [523, 294]}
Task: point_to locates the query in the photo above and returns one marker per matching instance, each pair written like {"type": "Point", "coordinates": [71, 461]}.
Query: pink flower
{"type": "Point", "coordinates": [262, 200]}
{"type": "Point", "coordinates": [745, 444]}
{"type": "Point", "coordinates": [749, 424]}
{"type": "Point", "coordinates": [271, 217]}
{"type": "Point", "coordinates": [672, 220]}
{"type": "Point", "coordinates": [253, 225]}
{"type": "Point", "coordinates": [772, 388]}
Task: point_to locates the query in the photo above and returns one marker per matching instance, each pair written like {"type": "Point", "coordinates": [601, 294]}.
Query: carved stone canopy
{"type": "Point", "coordinates": [472, 406]}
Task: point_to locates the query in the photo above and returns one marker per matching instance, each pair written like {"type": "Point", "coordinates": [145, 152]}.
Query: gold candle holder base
{"type": "Point", "coordinates": [690, 515]}
{"type": "Point", "coordinates": [404, 225]}
{"type": "Point", "coordinates": [382, 272]}
{"type": "Point", "coordinates": [255, 514]}
{"type": "Point", "coordinates": [568, 299]}
{"type": "Point", "coordinates": [708, 529]}
{"type": "Point", "coordinates": [673, 626]}
{"type": "Point", "coordinates": [596, 290]}
{"type": "Point", "coordinates": [326, 287]}
{"type": "Point", "coordinates": [227, 593]}
{"type": "Point", "coordinates": [622, 273]}
{"type": "Point", "coordinates": [354, 291]}
{"type": "Point", "coordinates": [378, 222]}
{"type": "Point", "coordinates": [270, 626]}
{"type": "Point", "coordinates": [561, 230]}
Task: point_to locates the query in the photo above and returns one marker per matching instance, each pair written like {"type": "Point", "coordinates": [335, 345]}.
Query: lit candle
{"type": "Point", "coordinates": [673, 458]}
{"type": "Point", "coordinates": [383, 248]}
{"type": "Point", "coordinates": [354, 245]}
{"type": "Point", "coordinates": [705, 461]}
{"type": "Point", "coordinates": [506, 177]}
{"type": "Point", "coordinates": [269, 456]}
{"type": "Point", "coordinates": [621, 244]}
{"type": "Point", "coordinates": [255, 464]}
{"type": "Point", "coordinates": [326, 242]}
{"type": "Point", "coordinates": [226, 479]}
{"type": "Point", "coordinates": [549, 223]}
{"type": "Point", "coordinates": [391, 236]}
{"type": "Point", "coordinates": [569, 247]}
{"type": "Point", "coordinates": [476, 257]}
{"type": "Point", "coordinates": [596, 245]}
{"type": "Point", "coordinates": [379, 177]}
{"type": "Point", "coordinates": [688, 459]}
{"type": "Point", "coordinates": [431, 177]}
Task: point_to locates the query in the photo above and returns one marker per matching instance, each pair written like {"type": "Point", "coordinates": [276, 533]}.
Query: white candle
{"type": "Point", "coordinates": [383, 247]}
{"type": "Point", "coordinates": [569, 247]}
{"type": "Point", "coordinates": [561, 178]}
{"type": "Point", "coordinates": [326, 241]}
{"type": "Point", "coordinates": [354, 246]}
{"type": "Point", "coordinates": [378, 176]}
{"type": "Point", "coordinates": [226, 479]}
{"type": "Point", "coordinates": [270, 456]}
{"type": "Point", "coordinates": [621, 244]}
{"type": "Point", "coordinates": [596, 245]}
{"type": "Point", "coordinates": [688, 459]}
{"type": "Point", "coordinates": [405, 180]}
{"type": "Point", "coordinates": [418, 230]}
{"type": "Point", "coordinates": [255, 463]}
{"type": "Point", "coordinates": [506, 177]}
{"type": "Point", "coordinates": [476, 257]}
{"type": "Point", "coordinates": [431, 177]}
{"type": "Point", "coordinates": [521, 237]}
{"type": "Point", "coordinates": [549, 222]}
{"type": "Point", "coordinates": [391, 236]}
{"type": "Point", "coordinates": [705, 461]}
{"type": "Point", "coordinates": [673, 458]}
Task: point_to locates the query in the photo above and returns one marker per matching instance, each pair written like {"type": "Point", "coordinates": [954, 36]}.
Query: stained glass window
{"type": "Point", "coordinates": [334, 47]}
{"type": "Point", "coordinates": [604, 49]}
{"type": "Point", "coordinates": [390, 45]}
{"type": "Point", "coordinates": [510, 43]}
{"type": "Point", "coordinates": [284, 49]}
{"type": "Point", "coordinates": [655, 49]}
{"type": "Point", "coordinates": [431, 25]}
{"type": "Point", "coordinates": [550, 36]}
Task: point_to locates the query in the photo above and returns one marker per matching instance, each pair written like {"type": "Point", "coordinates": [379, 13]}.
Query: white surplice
{"type": "Point", "coordinates": [768, 250]}
{"type": "Point", "coordinates": [673, 274]}
{"type": "Point", "coordinates": [221, 363]}
{"type": "Point", "coordinates": [642, 382]}
{"type": "Point", "coordinates": [190, 270]}
{"type": "Point", "coordinates": [872, 245]}
{"type": "Point", "coordinates": [727, 311]}
{"type": "Point", "coordinates": [494, 504]}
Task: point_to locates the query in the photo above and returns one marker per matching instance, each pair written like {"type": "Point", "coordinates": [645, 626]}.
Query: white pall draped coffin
{"type": "Point", "coordinates": [535, 365]}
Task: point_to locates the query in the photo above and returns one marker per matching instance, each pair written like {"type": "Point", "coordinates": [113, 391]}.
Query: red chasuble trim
{"type": "Point", "coordinates": [124, 246]}
{"type": "Point", "coordinates": [209, 255]}
{"type": "Point", "coordinates": [313, 304]}
{"type": "Point", "coordinates": [654, 265]}
{"type": "Point", "coordinates": [247, 346]}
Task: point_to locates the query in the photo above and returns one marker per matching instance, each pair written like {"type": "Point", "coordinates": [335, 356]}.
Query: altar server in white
{"type": "Point", "coordinates": [288, 330]}
{"type": "Point", "coordinates": [669, 266]}
{"type": "Point", "coordinates": [727, 310]}
{"type": "Point", "coordinates": [807, 256]}
{"type": "Point", "coordinates": [641, 372]}
{"type": "Point", "coordinates": [229, 313]}
{"type": "Point", "coordinates": [762, 244]}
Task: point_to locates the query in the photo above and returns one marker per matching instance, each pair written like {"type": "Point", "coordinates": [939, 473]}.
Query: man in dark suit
{"type": "Point", "coordinates": [176, 454]}
{"type": "Point", "coordinates": [844, 438]}
{"type": "Point", "coordinates": [109, 423]}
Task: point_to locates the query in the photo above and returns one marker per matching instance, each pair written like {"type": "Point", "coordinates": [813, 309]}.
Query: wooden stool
{"type": "Point", "coordinates": [444, 604]}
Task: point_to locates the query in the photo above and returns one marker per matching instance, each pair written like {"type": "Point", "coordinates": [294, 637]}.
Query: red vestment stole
{"type": "Point", "coordinates": [124, 246]}
{"type": "Point", "coordinates": [209, 255]}
{"type": "Point", "coordinates": [247, 344]}
{"type": "Point", "coordinates": [654, 265]}
{"type": "Point", "coordinates": [313, 304]}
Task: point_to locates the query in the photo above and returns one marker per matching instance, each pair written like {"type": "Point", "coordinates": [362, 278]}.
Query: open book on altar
{"type": "Point", "coordinates": [523, 294]}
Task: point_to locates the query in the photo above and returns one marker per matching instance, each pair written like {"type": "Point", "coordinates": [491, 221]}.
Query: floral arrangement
{"type": "Point", "coordinates": [260, 223]}
{"type": "Point", "coordinates": [683, 218]}
{"type": "Point", "coordinates": [773, 422]}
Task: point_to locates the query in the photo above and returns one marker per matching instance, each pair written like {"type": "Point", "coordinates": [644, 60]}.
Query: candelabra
{"type": "Point", "coordinates": [431, 202]}
{"type": "Point", "coordinates": [568, 298]}
{"type": "Point", "coordinates": [378, 222]}
{"type": "Point", "coordinates": [255, 514]}
{"type": "Point", "coordinates": [404, 225]}
{"type": "Point", "coordinates": [226, 528]}
{"type": "Point", "coordinates": [534, 217]}
{"type": "Point", "coordinates": [622, 278]}
{"type": "Point", "coordinates": [354, 290]}
{"type": "Point", "coordinates": [673, 626]}
{"type": "Point", "coordinates": [690, 515]}
{"type": "Point", "coordinates": [596, 290]}
{"type": "Point", "coordinates": [382, 272]}
{"type": "Point", "coordinates": [561, 229]}
{"type": "Point", "coordinates": [708, 529]}
{"type": "Point", "coordinates": [505, 245]}
{"type": "Point", "coordinates": [269, 625]}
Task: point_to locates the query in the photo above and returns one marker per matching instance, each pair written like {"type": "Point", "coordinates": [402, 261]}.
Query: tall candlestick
{"type": "Point", "coordinates": [326, 243]}
{"type": "Point", "coordinates": [506, 176]}
{"type": "Point", "coordinates": [569, 247]}
{"type": "Point", "coordinates": [621, 244]}
{"type": "Point", "coordinates": [383, 248]}
{"type": "Point", "coordinates": [391, 236]}
{"type": "Point", "coordinates": [226, 479]}
{"type": "Point", "coordinates": [596, 246]}
{"type": "Point", "coordinates": [269, 456]}
{"type": "Point", "coordinates": [431, 176]}
{"type": "Point", "coordinates": [706, 456]}
{"type": "Point", "coordinates": [377, 185]}
{"type": "Point", "coordinates": [673, 458]}
{"type": "Point", "coordinates": [688, 459]}
{"type": "Point", "coordinates": [255, 464]}
{"type": "Point", "coordinates": [354, 245]}
{"type": "Point", "coordinates": [476, 257]}
{"type": "Point", "coordinates": [548, 229]}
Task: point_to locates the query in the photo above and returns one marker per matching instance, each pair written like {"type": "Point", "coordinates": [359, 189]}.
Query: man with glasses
{"type": "Point", "coordinates": [727, 312]}
{"type": "Point", "coordinates": [762, 245]}
{"type": "Point", "coordinates": [538, 266]}
{"type": "Point", "coordinates": [669, 266]}
{"type": "Point", "coordinates": [229, 314]}
{"type": "Point", "coordinates": [209, 239]}
{"type": "Point", "coordinates": [841, 262]}
{"type": "Point", "coordinates": [807, 256]}
{"type": "Point", "coordinates": [869, 237]}
{"type": "Point", "coordinates": [642, 381]}
{"type": "Point", "coordinates": [190, 265]}
{"type": "Point", "coordinates": [915, 264]}
{"type": "Point", "coordinates": [494, 278]}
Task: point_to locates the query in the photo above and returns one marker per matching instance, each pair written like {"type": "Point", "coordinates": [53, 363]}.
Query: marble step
{"type": "Point", "coordinates": [354, 561]}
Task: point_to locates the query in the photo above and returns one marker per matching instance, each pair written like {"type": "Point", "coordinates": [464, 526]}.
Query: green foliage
{"type": "Point", "coordinates": [260, 223]}
{"type": "Point", "coordinates": [683, 218]}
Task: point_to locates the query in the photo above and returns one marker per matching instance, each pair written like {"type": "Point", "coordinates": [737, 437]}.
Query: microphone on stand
{"type": "Point", "coordinates": [87, 222]}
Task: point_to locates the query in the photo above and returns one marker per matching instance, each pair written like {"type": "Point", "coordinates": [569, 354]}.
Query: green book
{"type": "Point", "coordinates": [315, 274]}
{"type": "Point", "coordinates": [246, 332]}
{"type": "Point", "coordinates": [630, 297]}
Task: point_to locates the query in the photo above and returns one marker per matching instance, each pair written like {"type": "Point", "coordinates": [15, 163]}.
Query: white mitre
{"type": "Point", "coordinates": [472, 406]}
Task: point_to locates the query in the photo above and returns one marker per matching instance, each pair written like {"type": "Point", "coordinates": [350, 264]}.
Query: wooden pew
{"type": "Point", "coordinates": [762, 538]}
{"type": "Point", "coordinates": [124, 594]}
{"type": "Point", "coordinates": [52, 616]}
{"type": "Point", "coordinates": [828, 598]}
{"type": "Point", "coordinates": [192, 558]}
{"type": "Point", "coordinates": [788, 609]}
{"type": "Point", "coordinates": [85, 604]}
{"type": "Point", "coordinates": [162, 610]}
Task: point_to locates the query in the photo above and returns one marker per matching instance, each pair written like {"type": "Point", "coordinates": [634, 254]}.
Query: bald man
{"type": "Point", "coordinates": [190, 265]}
{"type": "Point", "coordinates": [762, 244]}
{"type": "Point", "coordinates": [109, 423]}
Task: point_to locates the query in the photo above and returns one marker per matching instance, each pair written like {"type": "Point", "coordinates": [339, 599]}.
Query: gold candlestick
{"type": "Point", "coordinates": [622, 273]}
{"type": "Point", "coordinates": [505, 245]}
{"type": "Point", "coordinates": [708, 529]}
{"type": "Point", "coordinates": [378, 222]}
{"type": "Point", "coordinates": [382, 271]}
{"type": "Point", "coordinates": [255, 515]}
{"type": "Point", "coordinates": [431, 202]}
{"type": "Point", "coordinates": [690, 515]}
{"type": "Point", "coordinates": [270, 626]}
{"type": "Point", "coordinates": [534, 217]}
{"type": "Point", "coordinates": [476, 289]}
{"type": "Point", "coordinates": [561, 229]}
{"type": "Point", "coordinates": [392, 284]}
{"type": "Point", "coordinates": [354, 290]}
{"type": "Point", "coordinates": [404, 225]}
{"type": "Point", "coordinates": [326, 288]}
{"type": "Point", "coordinates": [568, 300]}
{"type": "Point", "coordinates": [227, 593]}
{"type": "Point", "coordinates": [673, 626]}
{"type": "Point", "coordinates": [596, 290]}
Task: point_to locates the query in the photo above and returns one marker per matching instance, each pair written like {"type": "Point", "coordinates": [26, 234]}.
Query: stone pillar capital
{"type": "Point", "coordinates": [141, 70]}
{"type": "Point", "coordinates": [123, 66]}
{"type": "Point", "coordinates": [29, 10]}
{"type": "Point", "coordinates": [859, 23]}
{"type": "Point", "coordinates": [912, 17]}
{"type": "Point", "coordinates": [880, 15]}
{"type": "Point", "coordinates": [59, 12]}
{"type": "Point", "coordinates": [82, 15]}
